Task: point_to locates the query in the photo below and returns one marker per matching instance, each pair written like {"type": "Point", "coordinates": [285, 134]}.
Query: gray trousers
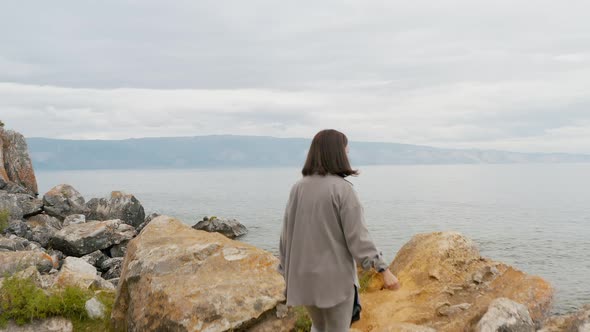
{"type": "Point", "coordinates": [334, 319]}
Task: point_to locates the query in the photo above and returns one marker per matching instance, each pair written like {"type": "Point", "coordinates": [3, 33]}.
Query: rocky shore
{"type": "Point", "coordinates": [168, 276]}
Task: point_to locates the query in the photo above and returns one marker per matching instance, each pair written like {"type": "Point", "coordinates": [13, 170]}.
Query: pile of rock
{"type": "Point", "coordinates": [63, 225]}
{"type": "Point", "coordinates": [64, 237]}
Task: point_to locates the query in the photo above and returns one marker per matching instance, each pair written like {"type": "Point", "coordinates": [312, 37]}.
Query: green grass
{"type": "Point", "coordinates": [303, 323]}
{"type": "Point", "coordinates": [23, 301]}
{"type": "Point", "coordinates": [4, 218]}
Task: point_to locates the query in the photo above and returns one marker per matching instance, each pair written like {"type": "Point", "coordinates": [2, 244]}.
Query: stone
{"type": "Point", "coordinates": [230, 227]}
{"type": "Point", "coordinates": [119, 250]}
{"type": "Point", "coordinates": [111, 263]}
{"type": "Point", "coordinates": [113, 273]}
{"type": "Point", "coordinates": [175, 278]}
{"type": "Point", "coordinates": [77, 272]}
{"type": "Point", "coordinates": [148, 219]}
{"type": "Point", "coordinates": [42, 227]}
{"type": "Point", "coordinates": [54, 324]}
{"type": "Point", "coordinates": [62, 201]}
{"type": "Point", "coordinates": [449, 310]}
{"type": "Point", "coordinates": [81, 239]}
{"type": "Point", "coordinates": [505, 315]}
{"type": "Point", "coordinates": [452, 300]}
{"type": "Point", "coordinates": [57, 257]}
{"type": "Point", "coordinates": [576, 322]}
{"type": "Point", "coordinates": [118, 206]}
{"type": "Point", "coordinates": [17, 227]}
{"type": "Point", "coordinates": [20, 205]}
{"type": "Point", "coordinates": [13, 244]}
{"type": "Point", "coordinates": [95, 258]}
{"type": "Point", "coordinates": [112, 268]}
{"type": "Point", "coordinates": [74, 219]}
{"type": "Point", "coordinates": [15, 162]}
{"type": "Point", "coordinates": [94, 308]}
{"type": "Point", "coordinates": [14, 261]}
{"type": "Point", "coordinates": [12, 188]}
{"type": "Point", "coordinates": [114, 281]}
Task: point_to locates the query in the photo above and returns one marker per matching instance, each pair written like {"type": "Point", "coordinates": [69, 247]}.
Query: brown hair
{"type": "Point", "coordinates": [327, 155]}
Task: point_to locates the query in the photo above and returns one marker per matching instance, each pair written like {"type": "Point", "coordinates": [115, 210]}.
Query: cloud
{"type": "Point", "coordinates": [452, 74]}
{"type": "Point", "coordinates": [519, 115]}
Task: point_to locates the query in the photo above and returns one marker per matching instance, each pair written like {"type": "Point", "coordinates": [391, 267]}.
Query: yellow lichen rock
{"type": "Point", "coordinates": [175, 278]}
{"type": "Point", "coordinates": [447, 286]}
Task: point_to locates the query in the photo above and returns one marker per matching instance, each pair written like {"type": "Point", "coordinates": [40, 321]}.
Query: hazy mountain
{"type": "Point", "coordinates": [250, 151]}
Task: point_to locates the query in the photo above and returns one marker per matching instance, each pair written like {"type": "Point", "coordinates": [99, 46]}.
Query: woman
{"type": "Point", "coordinates": [324, 234]}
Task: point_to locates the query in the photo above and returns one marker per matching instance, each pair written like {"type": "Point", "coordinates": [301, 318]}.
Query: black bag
{"type": "Point", "coordinates": [356, 306]}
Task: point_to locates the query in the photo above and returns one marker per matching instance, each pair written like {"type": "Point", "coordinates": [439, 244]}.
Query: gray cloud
{"type": "Point", "coordinates": [499, 75]}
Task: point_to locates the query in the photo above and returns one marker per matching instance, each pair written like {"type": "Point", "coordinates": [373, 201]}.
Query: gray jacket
{"type": "Point", "coordinates": [324, 233]}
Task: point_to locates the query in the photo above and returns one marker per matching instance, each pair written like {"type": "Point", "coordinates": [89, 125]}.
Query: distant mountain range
{"type": "Point", "coordinates": [250, 151]}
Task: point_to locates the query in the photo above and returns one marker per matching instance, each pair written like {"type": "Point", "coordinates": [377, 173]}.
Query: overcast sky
{"type": "Point", "coordinates": [510, 75]}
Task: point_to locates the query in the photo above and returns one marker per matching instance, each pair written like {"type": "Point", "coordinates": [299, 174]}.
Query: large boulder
{"type": "Point", "coordinates": [63, 200]}
{"type": "Point", "coordinates": [118, 206]}
{"type": "Point", "coordinates": [41, 228]}
{"type": "Point", "coordinates": [19, 205]}
{"type": "Point", "coordinates": [446, 285]}
{"type": "Point", "coordinates": [228, 227]}
{"type": "Point", "coordinates": [77, 272]}
{"type": "Point", "coordinates": [175, 278]}
{"type": "Point", "coordinates": [15, 162]}
{"type": "Point", "coordinates": [81, 239]}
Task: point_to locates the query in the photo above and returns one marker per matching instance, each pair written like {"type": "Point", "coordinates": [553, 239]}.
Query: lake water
{"type": "Point", "coordinates": [534, 217]}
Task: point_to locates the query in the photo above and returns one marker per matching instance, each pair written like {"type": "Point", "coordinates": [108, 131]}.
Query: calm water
{"type": "Point", "coordinates": [535, 217]}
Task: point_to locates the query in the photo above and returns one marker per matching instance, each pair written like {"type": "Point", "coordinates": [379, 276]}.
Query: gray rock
{"type": "Point", "coordinates": [81, 239]}
{"type": "Point", "coordinates": [148, 219]}
{"type": "Point", "coordinates": [15, 162]}
{"type": "Point", "coordinates": [231, 228]}
{"type": "Point", "coordinates": [12, 188]}
{"type": "Point", "coordinates": [42, 227]}
{"type": "Point", "coordinates": [111, 263]}
{"type": "Point", "coordinates": [112, 273]}
{"type": "Point", "coordinates": [63, 200]}
{"type": "Point", "coordinates": [77, 272]}
{"type": "Point", "coordinates": [505, 315]}
{"type": "Point", "coordinates": [19, 205]}
{"type": "Point", "coordinates": [95, 258]}
{"type": "Point", "coordinates": [12, 244]}
{"type": "Point", "coordinates": [55, 324]}
{"type": "Point", "coordinates": [114, 281]}
{"type": "Point", "coordinates": [119, 250]}
{"type": "Point", "coordinates": [14, 261]}
{"type": "Point", "coordinates": [57, 257]}
{"type": "Point", "coordinates": [118, 206]}
{"type": "Point", "coordinates": [94, 308]}
{"type": "Point", "coordinates": [74, 219]}
{"type": "Point", "coordinates": [17, 227]}
{"type": "Point", "coordinates": [112, 267]}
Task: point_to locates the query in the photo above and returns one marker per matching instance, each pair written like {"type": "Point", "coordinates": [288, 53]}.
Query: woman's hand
{"type": "Point", "coordinates": [389, 280]}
